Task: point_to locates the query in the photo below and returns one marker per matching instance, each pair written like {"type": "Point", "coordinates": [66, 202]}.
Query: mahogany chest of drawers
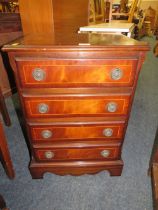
{"type": "Point", "coordinates": [76, 93]}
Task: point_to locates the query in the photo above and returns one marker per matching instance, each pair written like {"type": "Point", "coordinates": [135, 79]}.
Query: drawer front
{"type": "Point", "coordinates": [70, 73]}
{"type": "Point", "coordinates": [76, 106]}
{"type": "Point", "coordinates": [77, 154]}
{"type": "Point", "coordinates": [46, 133]}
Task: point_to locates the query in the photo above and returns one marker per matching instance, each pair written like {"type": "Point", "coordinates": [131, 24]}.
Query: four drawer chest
{"type": "Point", "coordinates": [76, 93]}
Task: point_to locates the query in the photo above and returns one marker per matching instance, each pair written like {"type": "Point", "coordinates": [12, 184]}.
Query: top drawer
{"type": "Point", "coordinates": [76, 72]}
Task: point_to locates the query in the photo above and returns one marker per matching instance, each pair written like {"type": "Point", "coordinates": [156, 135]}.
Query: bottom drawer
{"type": "Point", "coordinates": [99, 153]}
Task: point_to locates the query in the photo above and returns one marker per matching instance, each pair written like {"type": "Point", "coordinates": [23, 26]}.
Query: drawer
{"type": "Point", "coordinates": [76, 106]}
{"type": "Point", "coordinates": [50, 133]}
{"type": "Point", "coordinates": [78, 73]}
{"type": "Point", "coordinates": [102, 153]}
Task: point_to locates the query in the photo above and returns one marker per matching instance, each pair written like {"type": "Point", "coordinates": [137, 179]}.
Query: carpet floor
{"type": "Point", "coordinates": [131, 191]}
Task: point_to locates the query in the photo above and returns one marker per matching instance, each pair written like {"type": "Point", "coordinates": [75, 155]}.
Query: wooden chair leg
{"type": "Point", "coordinates": [3, 110]}
{"type": "Point", "coordinates": [3, 203]}
{"type": "Point", "coordinates": [4, 154]}
{"type": "Point", "coordinates": [156, 50]}
{"type": "Point", "coordinates": [154, 179]}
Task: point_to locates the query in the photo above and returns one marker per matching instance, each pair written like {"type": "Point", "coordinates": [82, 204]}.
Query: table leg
{"type": "Point", "coordinates": [4, 154]}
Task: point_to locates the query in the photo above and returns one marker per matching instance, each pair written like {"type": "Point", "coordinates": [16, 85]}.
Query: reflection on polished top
{"type": "Point", "coordinates": [79, 40]}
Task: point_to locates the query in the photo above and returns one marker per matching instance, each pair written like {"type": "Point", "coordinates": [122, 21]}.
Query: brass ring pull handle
{"type": "Point", "coordinates": [112, 107]}
{"type": "Point", "coordinates": [46, 134]}
{"type": "Point", "coordinates": [116, 74]}
{"type": "Point", "coordinates": [105, 153]}
{"type": "Point", "coordinates": [39, 74]}
{"type": "Point", "coordinates": [43, 108]}
{"type": "Point", "coordinates": [49, 154]}
{"type": "Point", "coordinates": [108, 132]}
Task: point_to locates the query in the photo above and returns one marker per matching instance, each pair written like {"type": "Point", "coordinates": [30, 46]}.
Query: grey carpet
{"type": "Point", "coordinates": [131, 191]}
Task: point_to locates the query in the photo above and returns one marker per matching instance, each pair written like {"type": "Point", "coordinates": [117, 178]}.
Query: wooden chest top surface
{"type": "Point", "coordinates": [62, 39]}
